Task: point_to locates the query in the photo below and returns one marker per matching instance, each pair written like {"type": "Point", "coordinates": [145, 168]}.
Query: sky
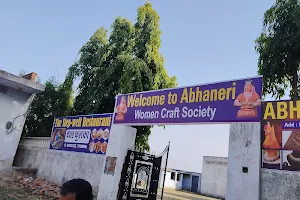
{"type": "Point", "coordinates": [202, 42]}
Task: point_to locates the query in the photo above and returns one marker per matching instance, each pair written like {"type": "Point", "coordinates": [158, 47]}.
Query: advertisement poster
{"type": "Point", "coordinates": [110, 165]}
{"type": "Point", "coordinates": [225, 102]}
{"type": "Point", "coordinates": [88, 133]}
{"type": "Point", "coordinates": [280, 135]}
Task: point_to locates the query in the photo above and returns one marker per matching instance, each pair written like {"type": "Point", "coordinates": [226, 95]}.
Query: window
{"type": "Point", "coordinates": [172, 175]}
{"type": "Point", "coordinates": [178, 177]}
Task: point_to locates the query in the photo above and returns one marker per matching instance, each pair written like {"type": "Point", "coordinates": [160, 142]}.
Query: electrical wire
{"type": "Point", "coordinates": [10, 130]}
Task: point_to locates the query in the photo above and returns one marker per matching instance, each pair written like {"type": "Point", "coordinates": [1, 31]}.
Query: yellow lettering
{"type": "Point", "coordinates": [162, 100]}
{"type": "Point", "coordinates": [98, 121]}
{"type": "Point", "coordinates": [149, 101]}
{"type": "Point", "coordinates": [228, 93]}
{"type": "Point", "coordinates": [67, 122]}
{"type": "Point", "coordinates": [144, 101]}
{"type": "Point", "coordinates": [191, 96]}
{"type": "Point", "coordinates": [206, 95]}
{"type": "Point", "coordinates": [222, 94]}
{"type": "Point", "coordinates": [213, 95]}
{"type": "Point", "coordinates": [269, 111]}
{"type": "Point", "coordinates": [155, 100]}
{"type": "Point", "coordinates": [282, 112]}
{"type": "Point", "coordinates": [58, 123]}
{"type": "Point", "coordinates": [198, 95]}
{"type": "Point", "coordinates": [76, 122]}
{"type": "Point", "coordinates": [294, 109]}
{"type": "Point", "coordinates": [85, 121]}
{"type": "Point", "coordinates": [130, 100]}
{"type": "Point", "coordinates": [185, 96]}
{"type": "Point", "coordinates": [136, 102]}
{"type": "Point", "coordinates": [233, 90]}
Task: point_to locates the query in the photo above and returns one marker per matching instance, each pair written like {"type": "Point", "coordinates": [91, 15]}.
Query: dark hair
{"type": "Point", "coordinates": [81, 188]}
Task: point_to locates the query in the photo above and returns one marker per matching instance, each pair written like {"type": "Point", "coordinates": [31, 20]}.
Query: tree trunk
{"type": "Point", "coordinates": [295, 86]}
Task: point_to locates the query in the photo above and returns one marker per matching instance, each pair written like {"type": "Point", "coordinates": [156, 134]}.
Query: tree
{"type": "Point", "coordinates": [147, 44]}
{"type": "Point", "coordinates": [86, 67]}
{"type": "Point", "coordinates": [55, 101]}
{"type": "Point", "coordinates": [279, 49]}
{"type": "Point", "coordinates": [128, 61]}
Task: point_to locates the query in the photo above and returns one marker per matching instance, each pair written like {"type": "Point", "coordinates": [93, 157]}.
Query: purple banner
{"type": "Point", "coordinates": [87, 133]}
{"type": "Point", "coordinates": [290, 125]}
{"type": "Point", "coordinates": [225, 102]}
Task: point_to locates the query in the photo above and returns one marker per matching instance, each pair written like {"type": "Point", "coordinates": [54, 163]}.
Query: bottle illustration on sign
{"type": "Point", "coordinates": [248, 101]}
{"type": "Point", "coordinates": [121, 110]}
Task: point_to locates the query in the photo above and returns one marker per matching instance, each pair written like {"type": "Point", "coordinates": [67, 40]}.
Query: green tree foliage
{"type": "Point", "coordinates": [56, 100]}
{"type": "Point", "coordinates": [127, 60]}
{"type": "Point", "coordinates": [279, 49]}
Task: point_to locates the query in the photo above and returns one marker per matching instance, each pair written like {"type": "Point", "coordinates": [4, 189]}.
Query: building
{"type": "Point", "coordinates": [214, 176]}
{"type": "Point", "coordinates": [16, 95]}
{"type": "Point", "coordinates": [181, 180]}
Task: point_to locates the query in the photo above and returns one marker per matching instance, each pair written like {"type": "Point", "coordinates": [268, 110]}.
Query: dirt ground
{"type": "Point", "coordinates": [23, 187]}
{"type": "Point", "coordinates": [180, 195]}
{"type": "Point", "coordinates": [20, 187]}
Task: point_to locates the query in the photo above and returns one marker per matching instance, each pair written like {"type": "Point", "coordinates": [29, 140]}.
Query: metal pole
{"type": "Point", "coordinates": [163, 186]}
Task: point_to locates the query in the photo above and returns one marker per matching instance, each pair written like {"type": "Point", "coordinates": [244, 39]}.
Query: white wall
{"type": "Point", "coordinates": [179, 182]}
{"type": "Point", "coordinates": [214, 176]}
{"type": "Point", "coordinates": [59, 166]}
{"type": "Point", "coordinates": [12, 104]}
{"type": "Point", "coordinates": [274, 184]}
{"type": "Point", "coordinates": [169, 183]}
{"type": "Point", "coordinates": [121, 139]}
{"type": "Point", "coordinates": [244, 152]}
{"type": "Point", "coordinates": [279, 185]}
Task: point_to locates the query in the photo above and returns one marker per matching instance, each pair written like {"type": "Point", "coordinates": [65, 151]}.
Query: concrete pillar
{"type": "Point", "coordinates": [243, 173]}
{"type": "Point", "coordinates": [121, 139]}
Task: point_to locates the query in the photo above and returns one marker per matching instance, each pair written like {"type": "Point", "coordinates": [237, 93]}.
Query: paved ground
{"type": "Point", "coordinates": [178, 195]}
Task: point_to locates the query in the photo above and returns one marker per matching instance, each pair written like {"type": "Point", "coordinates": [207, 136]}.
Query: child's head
{"type": "Point", "coordinates": [76, 189]}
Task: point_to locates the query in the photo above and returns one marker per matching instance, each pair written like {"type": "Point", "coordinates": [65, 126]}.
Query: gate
{"type": "Point", "coordinates": [142, 175]}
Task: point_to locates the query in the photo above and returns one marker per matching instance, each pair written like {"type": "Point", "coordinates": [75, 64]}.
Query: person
{"type": "Point", "coordinates": [121, 110]}
{"type": "Point", "coordinates": [270, 141]}
{"type": "Point", "coordinates": [76, 189]}
{"type": "Point", "coordinates": [248, 101]}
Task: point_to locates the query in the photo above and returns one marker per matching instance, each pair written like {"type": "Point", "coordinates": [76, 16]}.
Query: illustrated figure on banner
{"type": "Point", "coordinates": [270, 145]}
{"type": "Point", "coordinates": [270, 141]}
{"type": "Point", "coordinates": [57, 138]}
{"type": "Point", "coordinates": [142, 179]}
{"type": "Point", "coordinates": [248, 101]}
{"type": "Point", "coordinates": [121, 110]}
{"type": "Point", "coordinates": [110, 165]}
